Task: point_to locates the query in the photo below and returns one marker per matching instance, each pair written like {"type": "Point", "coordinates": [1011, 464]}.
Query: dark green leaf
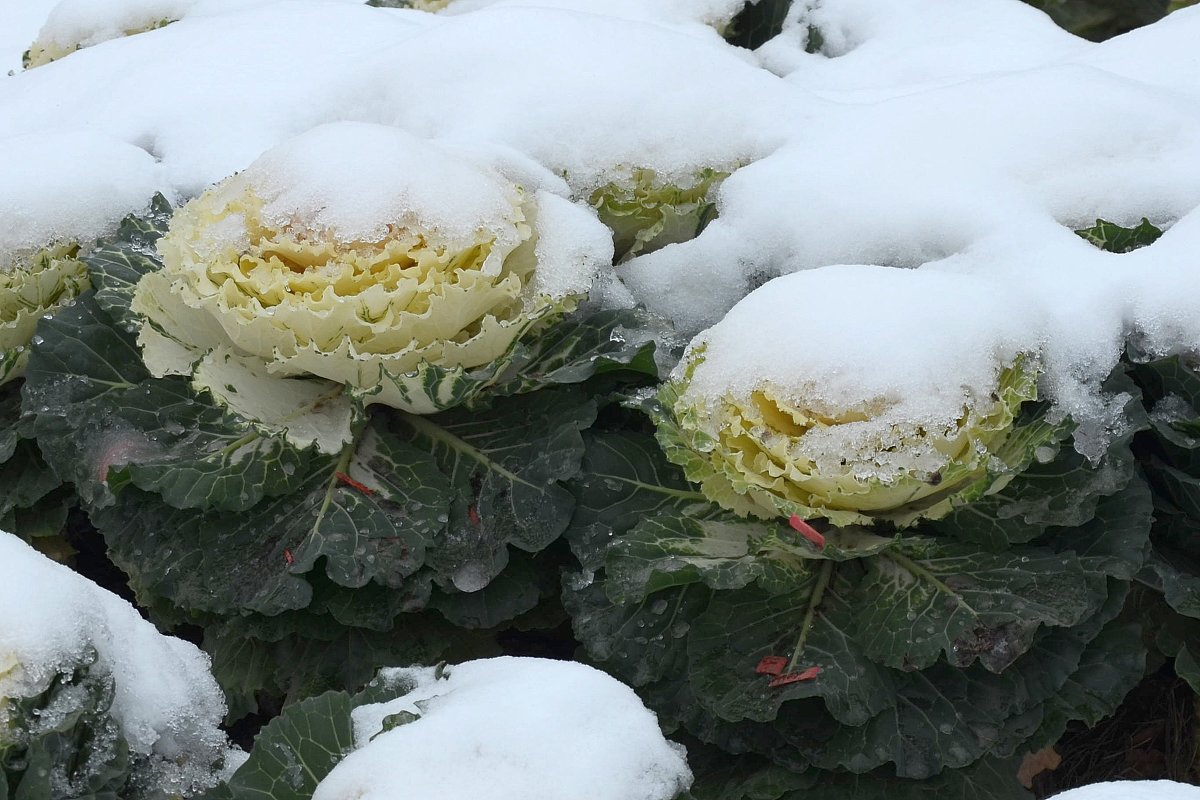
{"type": "Point", "coordinates": [1112, 238]}
{"type": "Point", "coordinates": [513, 592]}
{"type": "Point", "coordinates": [986, 779]}
{"type": "Point", "coordinates": [296, 750]}
{"type": "Point", "coordinates": [624, 479]}
{"type": "Point", "coordinates": [931, 598]}
{"type": "Point", "coordinates": [504, 465]}
{"type": "Point", "coordinates": [116, 264]}
{"type": "Point", "coordinates": [640, 642]}
{"type": "Point", "coordinates": [575, 349]}
{"type": "Point", "coordinates": [101, 417]}
{"type": "Point", "coordinates": [757, 23]}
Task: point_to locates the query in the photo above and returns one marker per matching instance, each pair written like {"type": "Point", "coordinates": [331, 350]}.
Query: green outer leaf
{"type": "Point", "coordinates": [1111, 666]}
{"type": "Point", "coordinates": [929, 599]}
{"type": "Point", "coordinates": [513, 592]}
{"type": "Point", "coordinates": [741, 627]}
{"type": "Point", "coordinates": [296, 750]}
{"type": "Point", "coordinates": [97, 408]}
{"type": "Point", "coordinates": [504, 466]}
{"type": "Point", "coordinates": [116, 265]}
{"type": "Point", "coordinates": [1116, 540]}
{"type": "Point", "coordinates": [1062, 491]}
{"type": "Point", "coordinates": [296, 655]}
{"type": "Point", "coordinates": [225, 562]}
{"type": "Point", "coordinates": [639, 642]}
{"type": "Point", "coordinates": [1112, 238]}
{"type": "Point", "coordinates": [623, 479]}
{"type": "Point", "coordinates": [581, 346]}
{"type": "Point", "coordinates": [82, 747]}
{"type": "Point", "coordinates": [986, 779]}
{"type": "Point", "coordinates": [723, 551]}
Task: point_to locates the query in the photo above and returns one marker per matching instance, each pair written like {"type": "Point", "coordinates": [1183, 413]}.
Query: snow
{"type": "Point", "coordinates": [925, 135]}
{"type": "Point", "coordinates": [68, 187]}
{"type": "Point", "coordinates": [210, 93]}
{"type": "Point", "coordinates": [20, 21]}
{"type": "Point", "coordinates": [74, 24]}
{"type": "Point", "coordinates": [1133, 790]}
{"type": "Point", "coordinates": [584, 94]}
{"type": "Point", "coordinates": [166, 700]}
{"type": "Point", "coordinates": [509, 729]}
{"type": "Point", "coordinates": [904, 348]}
{"type": "Point", "coordinates": [355, 180]}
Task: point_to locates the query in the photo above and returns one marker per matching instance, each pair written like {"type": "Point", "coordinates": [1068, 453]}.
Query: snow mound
{"type": "Point", "coordinates": [166, 702]}
{"type": "Point", "coordinates": [509, 729]}
{"type": "Point", "coordinates": [68, 187]}
{"type": "Point", "coordinates": [1133, 790]}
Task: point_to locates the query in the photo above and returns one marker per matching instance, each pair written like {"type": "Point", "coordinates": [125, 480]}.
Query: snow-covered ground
{"type": "Point", "coordinates": [921, 135]}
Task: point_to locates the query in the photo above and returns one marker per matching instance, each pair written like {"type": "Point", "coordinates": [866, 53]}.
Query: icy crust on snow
{"type": "Point", "coordinates": [896, 348]}
{"type": "Point", "coordinates": [509, 729]}
{"type": "Point", "coordinates": [166, 701]}
{"type": "Point", "coordinates": [68, 187]}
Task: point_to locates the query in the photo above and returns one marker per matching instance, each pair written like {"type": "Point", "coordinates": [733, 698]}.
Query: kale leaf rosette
{"type": "Point", "coordinates": [804, 426]}
{"type": "Point", "coordinates": [840, 652]}
{"type": "Point", "coordinates": [32, 285]}
{"type": "Point", "coordinates": [410, 290]}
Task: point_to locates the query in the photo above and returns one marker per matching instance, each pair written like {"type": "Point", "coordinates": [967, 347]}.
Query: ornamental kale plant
{"type": "Point", "coordinates": [775, 370]}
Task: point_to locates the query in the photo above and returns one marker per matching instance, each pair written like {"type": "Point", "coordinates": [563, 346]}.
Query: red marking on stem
{"type": "Point", "coordinates": [794, 677]}
{"type": "Point", "coordinates": [807, 531]}
{"type": "Point", "coordinates": [288, 557]}
{"type": "Point", "coordinates": [346, 479]}
{"type": "Point", "coordinates": [473, 515]}
{"type": "Point", "coordinates": [771, 665]}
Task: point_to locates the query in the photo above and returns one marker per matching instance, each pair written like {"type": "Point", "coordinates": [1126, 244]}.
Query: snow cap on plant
{"type": "Point", "coordinates": [75, 24]}
{"type": "Point", "coordinates": [858, 394]}
{"type": "Point", "coordinates": [367, 257]}
{"type": "Point", "coordinates": [92, 695]}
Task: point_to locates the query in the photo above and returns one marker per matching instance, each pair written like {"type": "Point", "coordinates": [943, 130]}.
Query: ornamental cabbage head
{"type": "Point", "coordinates": [366, 257]}
{"type": "Point", "coordinates": [771, 445]}
{"type": "Point", "coordinates": [31, 286]}
{"type": "Point", "coordinates": [647, 212]}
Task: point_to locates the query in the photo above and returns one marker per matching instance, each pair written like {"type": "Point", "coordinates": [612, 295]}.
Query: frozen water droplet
{"type": "Point", "coordinates": [471, 577]}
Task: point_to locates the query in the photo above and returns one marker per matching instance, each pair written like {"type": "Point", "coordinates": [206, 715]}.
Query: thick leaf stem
{"type": "Point", "coordinates": [682, 494]}
{"type": "Point", "coordinates": [440, 434]}
{"type": "Point", "coordinates": [924, 574]}
{"type": "Point", "coordinates": [814, 600]}
{"type": "Point", "coordinates": [238, 444]}
{"type": "Point", "coordinates": [342, 465]}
